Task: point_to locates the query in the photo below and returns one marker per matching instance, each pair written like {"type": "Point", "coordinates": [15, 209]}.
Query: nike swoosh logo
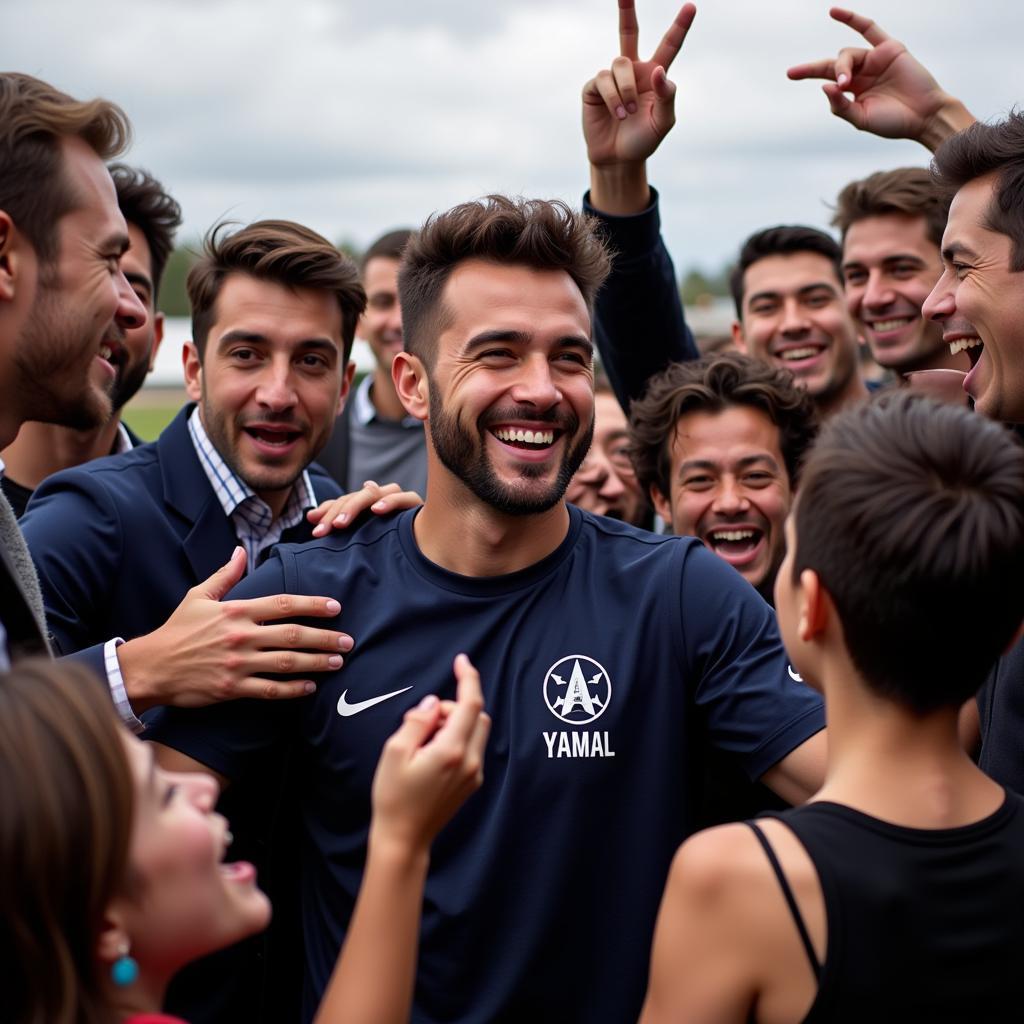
{"type": "Point", "coordinates": [345, 709]}
{"type": "Point", "coordinates": [792, 675]}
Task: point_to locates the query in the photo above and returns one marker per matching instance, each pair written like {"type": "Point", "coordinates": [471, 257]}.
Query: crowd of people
{"type": "Point", "coordinates": [554, 671]}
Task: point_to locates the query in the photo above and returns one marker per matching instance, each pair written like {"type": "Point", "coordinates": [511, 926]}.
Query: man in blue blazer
{"type": "Point", "coordinates": [134, 551]}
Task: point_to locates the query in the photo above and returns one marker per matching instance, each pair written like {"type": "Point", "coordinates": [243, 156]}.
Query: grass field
{"type": "Point", "coordinates": [152, 409]}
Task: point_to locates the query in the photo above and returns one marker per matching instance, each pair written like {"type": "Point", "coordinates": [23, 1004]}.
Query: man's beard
{"type": "Point", "coordinates": [130, 378]}
{"type": "Point", "coordinates": [51, 389]}
{"type": "Point", "coordinates": [467, 458]}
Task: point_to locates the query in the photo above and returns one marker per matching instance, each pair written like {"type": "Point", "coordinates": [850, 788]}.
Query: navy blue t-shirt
{"type": "Point", "coordinates": [601, 664]}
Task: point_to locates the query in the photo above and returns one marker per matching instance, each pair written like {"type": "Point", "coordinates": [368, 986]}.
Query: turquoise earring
{"type": "Point", "coordinates": [125, 970]}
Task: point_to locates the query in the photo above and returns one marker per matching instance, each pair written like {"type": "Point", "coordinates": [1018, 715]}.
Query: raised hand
{"type": "Point", "coordinates": [630, 107]}
{"type": "Point", "coordinates": [337, 513]}
{"type": "Point", "coordinates": [892, 94]}
{"type": "Point", "coordinates": [430, 765]}
{"type": "Point", "coordinates": [212, 650]}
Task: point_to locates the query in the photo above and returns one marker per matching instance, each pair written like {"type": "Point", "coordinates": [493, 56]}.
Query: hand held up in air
{"type": "Point", "coordinates": [891, 94]}
{"type": "Point", "coordinates": [627, 110]}
{"type": "Point", "coordinates": [430, 765]}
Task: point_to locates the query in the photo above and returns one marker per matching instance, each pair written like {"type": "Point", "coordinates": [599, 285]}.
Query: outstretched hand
{"type": "Point", "coordinates": [630, 107]}
{"type": "Point", "coordinates": [892, 94]}
{"type": "Point", "coordinates": [431, 764]}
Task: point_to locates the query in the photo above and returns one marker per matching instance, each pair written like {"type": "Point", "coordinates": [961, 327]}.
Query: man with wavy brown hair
{"type": "Point", "coordinates": [62, 292]}
{"type": "Point", "coordinates": [607, 652]}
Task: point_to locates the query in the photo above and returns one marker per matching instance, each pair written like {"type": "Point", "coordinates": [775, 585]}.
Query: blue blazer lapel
{"type": "Point", "coordinates": [209, 534]}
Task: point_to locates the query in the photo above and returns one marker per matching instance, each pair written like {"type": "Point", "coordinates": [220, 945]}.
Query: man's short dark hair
{"type": "Point", "coordinates": [145, 204]}
{"type": "Point", "coordinates": [280, 251]}
{"type": "Point", "coordinates": [712, 385]}
{"type": "Point", "coordinates": [783, 240]}
{"type": "Point", "coordinates": [912, 515]}
{"type": "Point", "coordinates": [535, 233]}
{"type": "Point", "coordinates": [983, 149]}
{"type": "Point", "coordinates": [907, 190]}
{"type": "Point", "coordinates": [388, 247]}
{"type": "Point", "coordinates": [34, 118]}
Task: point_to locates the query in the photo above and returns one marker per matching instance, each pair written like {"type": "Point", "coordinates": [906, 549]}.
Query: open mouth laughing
{"type": "Point", "coordinates": [528, 440]}
{"type": "Point", "coordinates": [737, 544]}
{"type": "Point", "coordinates": [272, 436]}
{"type": "Point", "coordinates": [971, 344]}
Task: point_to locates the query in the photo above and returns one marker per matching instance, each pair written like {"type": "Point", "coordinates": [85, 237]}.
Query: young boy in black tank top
{"type": "Point", "coordinates": [897, 893]}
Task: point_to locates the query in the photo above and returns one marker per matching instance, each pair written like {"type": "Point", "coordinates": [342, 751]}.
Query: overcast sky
{"type": "Point", "coordinates": [359, 117]}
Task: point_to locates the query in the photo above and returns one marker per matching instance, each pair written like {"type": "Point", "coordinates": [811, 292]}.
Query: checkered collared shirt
{"type": "Point", "coordinates": [254, 523]}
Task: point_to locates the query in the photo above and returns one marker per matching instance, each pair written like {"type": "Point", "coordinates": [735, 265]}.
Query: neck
{"type": "Point", "coordinates": [146, 995]}
{"type": "Point", "coordinates": [384, 396]}
{"type": "Point", "coordinates": [853, 392]}
{"type": "Point", "coordinates": [41, 449]}
{"type": "Point", "coordinates": [872, 742]}
{"type": "Point", "coordinates": [462, 534]}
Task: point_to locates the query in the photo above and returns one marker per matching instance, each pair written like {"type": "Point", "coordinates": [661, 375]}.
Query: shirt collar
{"type": "Point", "coordinates": [123, 440]}
{"type": "Point", "coordinates": [230, 489]}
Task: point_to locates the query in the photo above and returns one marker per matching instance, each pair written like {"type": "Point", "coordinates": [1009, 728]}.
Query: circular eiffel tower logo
{"type": "Point", "coordinates": [577, 689]}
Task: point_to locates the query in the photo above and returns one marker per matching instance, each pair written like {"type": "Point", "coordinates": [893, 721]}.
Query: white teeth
{"type": "Point", "coordinates": [798, 353]}
{"type": "Point", "coordinates": [962, 344]}
{"type": "Point", "coordinates": [891, 325]}
{"type": "Point", "coordinates": [717, 535]}
{"type": "Point", "coordinates": [526, 436]}
{"type": "Point", "coordinates": [104, 352]}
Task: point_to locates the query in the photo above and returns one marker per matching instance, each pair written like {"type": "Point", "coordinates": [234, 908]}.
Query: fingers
{"type": "Point", "coordinates": [284, 606]}
{"type": "Point", "coordinates": [663, 111]}
{"type": "Point", "coordinates": [672, 41]}
{"type": "Point", "coordinates": [255, 688]}
{"type": "Point", "coordinates": [418, 725]}
{"type": "Point", "coordinates": [468, 705]}
{"type": "Point", "coordinates": [286, 662]}
{"type": "Point", "coordinates": [869, 29]}
{"type": "Point", "coordinates": [604, 83]}
{"type": "Point", "coordinates": [396, 501]}
{"type": "Point", "coordinates": [625, 83]}
{"type": "Point", "coordinates": [813, 69]}
{"type": "Point", "coordinates": [841, 105]}
{"type": "Point", "coordinates": [629, 30]}
{"type": "Point", "coordinates": [848, 63]}
{"type": "Point", "coordinates": [217, 585]}
{"type": "Point", "coordinates": [340, 512]}
{"type": "Point", "coordinates": [289, 636]}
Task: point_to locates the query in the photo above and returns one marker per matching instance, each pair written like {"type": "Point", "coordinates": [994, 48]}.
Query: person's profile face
{"type": "Point", "coordinates": [511, 384]}
{"type": "Point", "coordinates": [978, 289]}
{"type": "Point", "coordinates": [183, 899]}
{"type": "Point", "coordinates": [729, 486]}
{"type": "Point", "coordinates": [890, 265]}
{"type": "Point", "coordinates": [795, 316]}
{"type": "Point", "coordinates": [83, 303]}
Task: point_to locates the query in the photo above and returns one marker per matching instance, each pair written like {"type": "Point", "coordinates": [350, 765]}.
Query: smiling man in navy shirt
{"type": "Point", "coordinates": [610, 656]}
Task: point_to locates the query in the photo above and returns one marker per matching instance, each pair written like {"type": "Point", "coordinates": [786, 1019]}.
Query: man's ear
{"type": "Point", "coordinates": [192, 365]}
{"type": "Point", "coordinates": [346, 385]}
{"type": "Point", "coordinates": [158, 337]}
{"type": "Point", "coordinates": [815, 606]}
{"type": "Point", "coordinates": [12, 258]}
{"type": "Point", "coordinates": [738, 338]}
{"type": "Point", "coordinates": [661, 504]}
{"type": "Point", "coordinates": [410, 379]}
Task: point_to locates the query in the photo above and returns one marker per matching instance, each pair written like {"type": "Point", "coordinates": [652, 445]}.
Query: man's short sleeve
{"type": "Point", "coordinates": [755, 704]}
{"type": "Point", "coordinates": [231, 736]}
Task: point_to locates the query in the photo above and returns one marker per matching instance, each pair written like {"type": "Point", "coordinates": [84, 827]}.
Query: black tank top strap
{"type": "Point", "coordinates": [790, 899]}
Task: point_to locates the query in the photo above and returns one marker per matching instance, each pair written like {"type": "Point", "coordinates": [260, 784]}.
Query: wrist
{"type": "Point", "coordinates": [951, 117]}
{"type": "Point", "coordinates": [397, 851]}
{"type": "Point", "coordinates": [139, 685]}
{"type": "Point", "coordinates": [620, 189]}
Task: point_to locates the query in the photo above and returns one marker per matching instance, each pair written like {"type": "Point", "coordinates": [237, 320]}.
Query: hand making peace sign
{"type": "Point", "coordinates": [629, 108]}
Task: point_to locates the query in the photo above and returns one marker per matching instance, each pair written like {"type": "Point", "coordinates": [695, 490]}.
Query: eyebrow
{"type": "Point", "coordinates": [522, 338]}
{"type": "Point", "coordinates": [958, 249]}
{"type": "Point", "coordinates": [744, 463]}
{"type": "Point", "coordinates": [805, 290]}
{"type": "Point", "coordinates": [255, 338]}
{"type": "Point", "coordinates": [900, 257]}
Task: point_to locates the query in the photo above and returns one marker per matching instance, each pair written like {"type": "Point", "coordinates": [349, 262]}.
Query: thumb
{"type": "Point", "coordinates": [417, 726]}
{"type": "Point", "coordinates": [840, 104]}
{"type": "Point", "coordinates": [217, 585]}
{"type": "Point", "coordinates": [663, 111]}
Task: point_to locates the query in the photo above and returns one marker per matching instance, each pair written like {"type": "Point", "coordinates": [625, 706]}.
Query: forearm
{"type": "Point", "coordinates": [953, 117]}
{"type": "Point", "coordinates": [373, 980]}
{"type": "Point", "coordinates": [621, 189]}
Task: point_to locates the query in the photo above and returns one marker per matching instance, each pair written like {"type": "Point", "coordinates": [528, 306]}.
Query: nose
{"type": "Point", "coordinates": [941, 302]}
{"type": "Point", "coordinates": [275, 389]}
{"type": "Point", "coordinates": [200, 789]}
{"type": "Point", "coordinates": [729, 498]}
{"type": "Point", "coordinates": [612, 486]}
{"type": "Point", "coordinates": [534, 384]}
{"type": "Point", "coordinates": [878, 293]}
{"type": "Point", "coordinates": [130, 312]}
{"type": "Point", "coordinates": [794, 318]}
